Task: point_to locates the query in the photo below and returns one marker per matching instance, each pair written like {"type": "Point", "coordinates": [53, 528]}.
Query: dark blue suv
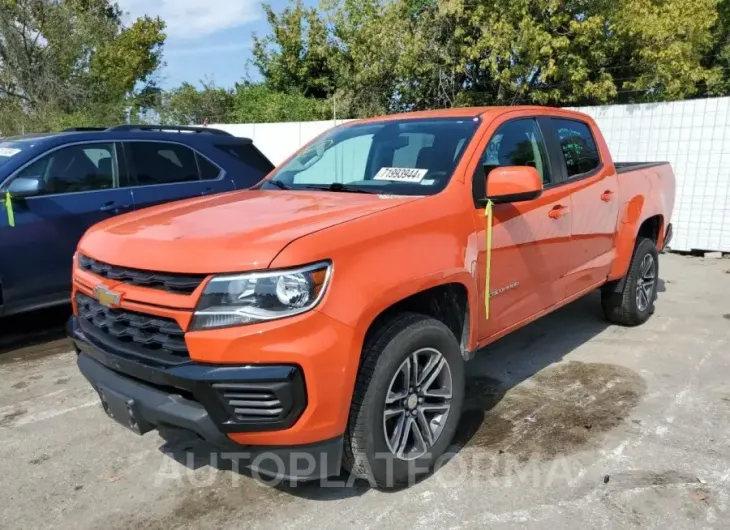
{"type": "Point", "coordinates": [55, 186]}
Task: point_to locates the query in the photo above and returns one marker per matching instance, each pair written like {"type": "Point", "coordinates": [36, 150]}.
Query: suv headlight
{"type": "Point", "coordinates": [234, 300]}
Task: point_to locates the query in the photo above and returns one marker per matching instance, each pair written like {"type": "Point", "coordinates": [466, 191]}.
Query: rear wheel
{"type": "Point", "coordinates": [630, 301]}
{"type": "Point", "coordinates": [407, 401]}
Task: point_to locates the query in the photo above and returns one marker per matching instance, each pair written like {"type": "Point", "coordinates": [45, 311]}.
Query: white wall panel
{"type": "Point", "coordinates": [694, 136]}
{"type": "Point", "coordinates": [279, 140]}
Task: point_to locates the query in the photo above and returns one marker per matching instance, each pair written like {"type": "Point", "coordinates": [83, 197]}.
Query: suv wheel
{"type": "Point", "coordinates": [407, 402]}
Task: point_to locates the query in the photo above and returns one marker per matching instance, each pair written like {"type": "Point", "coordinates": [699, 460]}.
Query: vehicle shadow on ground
{"type": "Point", "coordinates": [506, 363]}
{"type": "Point", "coordinates": [35, 334]}
{"type": "Point", "coordinates": [490, 375]}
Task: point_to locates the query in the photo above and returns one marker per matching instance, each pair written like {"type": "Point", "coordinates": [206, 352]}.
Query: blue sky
{"type": "Point", "coordinates": [206, 38]}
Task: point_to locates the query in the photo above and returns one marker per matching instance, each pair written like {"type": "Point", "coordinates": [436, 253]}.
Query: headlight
{"type": "Point", "coordinates": [234, 300]}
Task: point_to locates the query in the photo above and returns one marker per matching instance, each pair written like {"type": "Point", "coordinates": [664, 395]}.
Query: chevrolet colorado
{"type": "Point", "coordinates": [329, 312]}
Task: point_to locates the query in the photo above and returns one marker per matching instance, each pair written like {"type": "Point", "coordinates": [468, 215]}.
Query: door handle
{"type": "Point", "coordinates": [607, 196]}
{"type": "Point", "coordinates": [207, 191]}
{"type": "Point", "coordinates": [111, 207]}
{"type": "Point", "coordinates": [558, 211]}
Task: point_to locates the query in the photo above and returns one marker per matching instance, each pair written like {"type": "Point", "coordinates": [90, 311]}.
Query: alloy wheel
{"type": "Point", "coordinates": [417, 404]}
{"type": "Point", "coordinates": [646, 283]}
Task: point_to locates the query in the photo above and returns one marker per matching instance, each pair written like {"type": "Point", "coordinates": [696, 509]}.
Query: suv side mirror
{"type": "Point", "coordinates": [513, 184]}
{"type": "Point", "coordinates": [23, 187]}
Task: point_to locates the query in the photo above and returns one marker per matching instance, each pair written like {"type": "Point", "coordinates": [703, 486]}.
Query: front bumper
{"type": "Point", "coordinates": [193, 397]}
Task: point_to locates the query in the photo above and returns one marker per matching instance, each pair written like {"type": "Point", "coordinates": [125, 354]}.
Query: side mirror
{"type": "Point", "coordinates": [513, 184]}
{"type": "Point", "coordinates": [23, 187]}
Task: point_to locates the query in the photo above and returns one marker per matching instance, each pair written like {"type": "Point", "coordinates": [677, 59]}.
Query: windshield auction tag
{"type": "Point", "coordinates": [401, 174]}
{"type": "Point", "coordinates": [8, 151]}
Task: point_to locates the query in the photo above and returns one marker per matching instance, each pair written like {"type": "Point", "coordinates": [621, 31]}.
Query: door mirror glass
{"type": "Point", "coordinates": [513, 184]}
{"type": "Point", "coordinates": [23, 187]}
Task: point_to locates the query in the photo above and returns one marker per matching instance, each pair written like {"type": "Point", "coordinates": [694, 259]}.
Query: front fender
{"type": "Point", "coordinates": [381, 259]}
{"type": "Point", "coordinates": [401, 291]}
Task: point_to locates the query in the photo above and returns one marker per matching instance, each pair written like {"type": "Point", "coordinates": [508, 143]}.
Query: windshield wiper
{"type": "Point", "coordinates": [278, 184]}
{"type": "Point", "coordinates": [338, 186]}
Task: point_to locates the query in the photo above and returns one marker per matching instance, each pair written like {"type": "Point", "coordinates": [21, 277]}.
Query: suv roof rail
{"type": "Point", "coordinates": [84, 129]}
{"type": "Point", "coordinates": [170, 128]}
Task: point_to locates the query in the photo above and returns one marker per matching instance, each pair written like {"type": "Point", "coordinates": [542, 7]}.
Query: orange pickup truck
{"type": "Point", "coordinates": [325, 317]}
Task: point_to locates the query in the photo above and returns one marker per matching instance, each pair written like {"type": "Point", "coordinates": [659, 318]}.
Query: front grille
{"type": "Point", "coordinates": [172, 283]}
{"type": "Point", "coordinates": [247, 402]}
{"type": "Point", "coordinates": [131, 332]}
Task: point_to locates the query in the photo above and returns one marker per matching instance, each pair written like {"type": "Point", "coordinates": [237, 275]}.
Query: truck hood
{"type": "Point", "coordinates": [232, 232]}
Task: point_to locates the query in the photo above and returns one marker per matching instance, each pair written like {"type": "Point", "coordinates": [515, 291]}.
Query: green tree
{"type": "Point", "coordinates": [73, 62]}
{"type": "Point", "coordinates": [187, 105]}
{"type": "Point", "coordinates": [565, 52]}
{"type": "Point", "coordinates": [246, 103]}
{"type": "Point", "coordinates": [257, 103]}
{"type": "Point", "coordinates": [371, 36]}
{"type": "Point", "coordinates": [399, 55]}
{"type": "Point", "coordinates": [298, 55]}
{"type": "Point", "coordinates": [719, 57]}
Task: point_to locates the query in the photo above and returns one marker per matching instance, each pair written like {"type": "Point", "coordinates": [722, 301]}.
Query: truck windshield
{"type": "Point", "coordinates": [396, 157]}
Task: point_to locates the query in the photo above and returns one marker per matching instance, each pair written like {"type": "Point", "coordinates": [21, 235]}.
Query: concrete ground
{"type": "Point", "coordinates": [572, 423]}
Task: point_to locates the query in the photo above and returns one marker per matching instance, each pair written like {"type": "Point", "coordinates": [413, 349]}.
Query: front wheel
{"type": "Point", "coordinates": [407, 402]}
{"type": "Point", "coordinates": [630, 302]}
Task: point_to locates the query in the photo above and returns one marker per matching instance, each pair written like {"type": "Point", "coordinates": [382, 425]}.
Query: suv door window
{"type": "Point", "coordinates": [579, 147]}
{"type": "Point", "coordinates": [76, 168]}
{"type": "Point", "coordinates": [161, 163]}
{"type": "Point", "coordinates": [518, 143]}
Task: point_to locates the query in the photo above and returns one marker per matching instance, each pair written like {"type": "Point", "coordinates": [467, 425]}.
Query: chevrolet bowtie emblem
{"type": "Point", "coordinates": [106, 297]}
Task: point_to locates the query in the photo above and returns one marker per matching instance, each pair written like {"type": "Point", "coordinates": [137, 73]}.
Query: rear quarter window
{"type": "Point", "coordinates": [578, 145]}
{"type": "Point", "coordinates": [208, 170]}
{"type": "Point", "coordinates": [249, 155]}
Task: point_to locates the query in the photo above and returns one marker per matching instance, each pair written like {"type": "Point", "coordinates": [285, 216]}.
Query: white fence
{"type": "Point", "coordinates": [693, 135]}
{"type": "Point", "coordinates": [279, 140]}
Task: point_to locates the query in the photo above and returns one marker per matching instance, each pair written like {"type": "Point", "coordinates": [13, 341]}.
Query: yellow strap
{"type": "Point", "coordinates": [9, 208]}
{"type": "Point", "coordinates": [487, 291]}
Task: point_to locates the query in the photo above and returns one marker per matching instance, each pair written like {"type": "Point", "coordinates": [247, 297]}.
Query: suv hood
{"type": "Point", "coordinates": [234, 232]}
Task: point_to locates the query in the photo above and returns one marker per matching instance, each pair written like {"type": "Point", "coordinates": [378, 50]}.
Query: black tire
{"type": "Point", "coordinates": [366, 453]}
{"type": "Point", "coordinates": [619, 299]}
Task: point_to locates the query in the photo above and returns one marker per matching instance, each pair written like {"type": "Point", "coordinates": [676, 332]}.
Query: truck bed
{"type": "Point", "coordinates": [647, 186]}
{"type": "Point", "coordinates": [624, 167]}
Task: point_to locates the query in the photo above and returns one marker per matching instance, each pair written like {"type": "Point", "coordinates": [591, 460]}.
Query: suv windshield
{"type": "Point", "coordinates": [10, 149]}
{"type": "Point", "coordinates": [398, 157]}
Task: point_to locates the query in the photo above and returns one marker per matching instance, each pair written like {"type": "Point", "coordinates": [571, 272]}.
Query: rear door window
{"type": "Point", "coordinates": [578, 145]}
{"type": "Point", "coordinates": [161, 163]}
